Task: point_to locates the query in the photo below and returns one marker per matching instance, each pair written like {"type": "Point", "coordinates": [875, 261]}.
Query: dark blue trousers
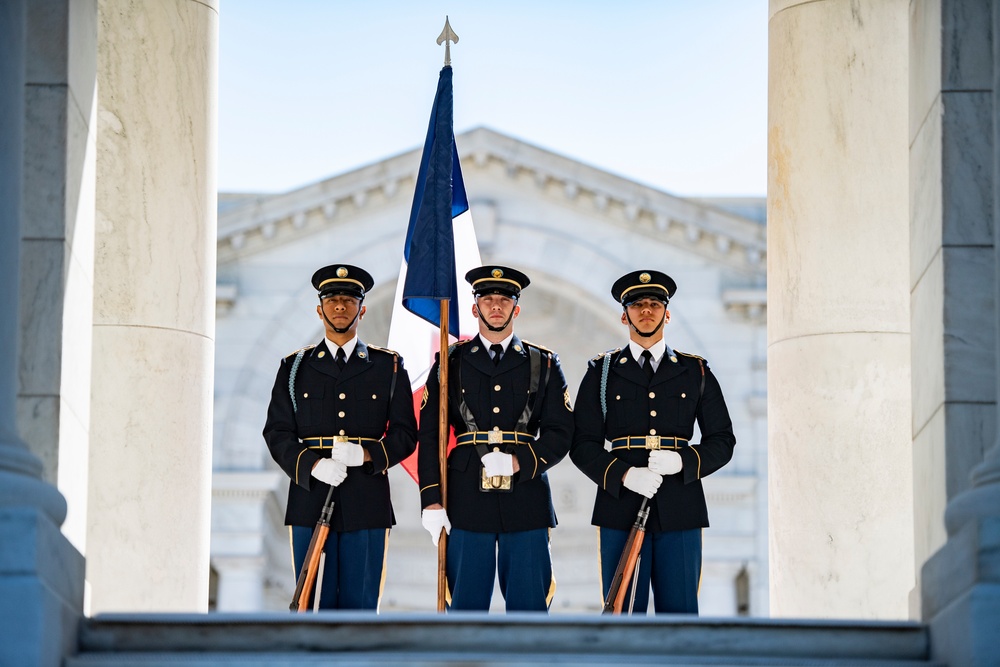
{"type": "Point", "coordinates": [352, 577]}
{"type": "Point", "coordinates": [670, 561]}
{"type": "Point", "coordinates": [521, 560]}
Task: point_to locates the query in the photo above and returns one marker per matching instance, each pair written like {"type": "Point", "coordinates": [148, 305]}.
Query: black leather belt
{"type": "Point", "coordinates": [648, 442]}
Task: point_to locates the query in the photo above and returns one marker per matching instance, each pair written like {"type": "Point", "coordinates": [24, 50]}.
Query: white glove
{"type": "Point", "coordinates": [434, 521]}
{"type": "Point", "coordinates": [330, 471]}
{"type": "Point", "coordinates": [498, 463]}
{"type": "Point", "coordinates": [665, 462]}
{"type": "Point", "coordinates": [643, 481]}
{"type": "Point", "coordinates": [348, 453]}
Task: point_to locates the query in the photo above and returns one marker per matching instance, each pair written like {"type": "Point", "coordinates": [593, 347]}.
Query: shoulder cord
{"type": "Point", "coordinates": [604, 385]}
{"type": "Point", "coordinates": [291, 378]}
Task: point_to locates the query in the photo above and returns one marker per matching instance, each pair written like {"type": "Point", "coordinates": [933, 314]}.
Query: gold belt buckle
{"type": "Point", "coordinates": [495, 482]}
{"type": "Point", "coordinates": [652, 442]}
{"type": "Point", "coordinates": [339, 438]}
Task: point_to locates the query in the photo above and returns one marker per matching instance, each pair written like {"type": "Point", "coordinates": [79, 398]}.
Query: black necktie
{"type": "Point", "coordinates": [341, 360]}
{"type": "Point", "coordinates": [497, 350]}
{"type": "Point", "coordinates": [647, 363]}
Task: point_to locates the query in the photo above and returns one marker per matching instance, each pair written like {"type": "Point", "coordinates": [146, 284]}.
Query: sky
{"type": "Point", "coordinates": [669, 93]}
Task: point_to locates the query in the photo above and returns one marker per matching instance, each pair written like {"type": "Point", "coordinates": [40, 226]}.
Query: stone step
{"type": "Point", "coordinates": [276, 640]}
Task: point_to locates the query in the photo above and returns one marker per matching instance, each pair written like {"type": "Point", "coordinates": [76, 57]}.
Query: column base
{"type": "Point", "coordinates": [961, 595]}
{"type": "Point", "coordinates": [41, 590]}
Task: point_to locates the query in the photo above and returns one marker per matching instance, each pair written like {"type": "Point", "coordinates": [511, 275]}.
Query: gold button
{"type": "Point", "coordinates": [652, 413]}
{"type": "Point", "coordinates": [684, 395]}
{"type": "Point", "coordinates": [342, 432]}
{"type": "Point", "coordinates": [618, 397]}
{"type": "Point", "coordinates": [495, 410]}
{"type": "Point", "coordinates": [496, 449]}
{"type": "Point", "coordinates": [652, 394]}
{"type": "Point", "coordinates": [496, 387]}
{"type": "Point", "coordinates": [343, 396]}
{"type": "Point", "coordinates": [652, 431]}
{"type": "Point", "coordinates": [374, 396]}
{"type": "Point", "coordinates": [321, 354]}
{"type": "Point", "coordinates": [496, 428]}
{"type": "Point", "coordinates": [340, 414]}
{"type": "Point", "coordinates": [305, 395]}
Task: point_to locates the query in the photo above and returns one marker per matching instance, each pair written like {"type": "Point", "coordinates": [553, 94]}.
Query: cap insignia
{"type": "Point", "coordinates": [497, 273]}
{"type": "Point", "coordinates": [341, 272]}
{"type": "Point", "coordinates": [644, 278]}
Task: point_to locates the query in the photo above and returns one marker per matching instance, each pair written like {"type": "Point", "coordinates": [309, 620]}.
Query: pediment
{"type": "Point", "coordinates": [493, 162]}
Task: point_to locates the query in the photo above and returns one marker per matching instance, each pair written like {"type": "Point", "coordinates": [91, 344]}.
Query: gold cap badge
{"type": "Point", "coordinates": [497, 273]}
{"type": "Point", "coordinates": [341, 272]}
{"type": "Point", "coordinates": [644, 278]}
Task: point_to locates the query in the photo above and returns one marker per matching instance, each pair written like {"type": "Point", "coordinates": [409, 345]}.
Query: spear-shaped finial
{"type": "Point", "coordinates": [447, 36]}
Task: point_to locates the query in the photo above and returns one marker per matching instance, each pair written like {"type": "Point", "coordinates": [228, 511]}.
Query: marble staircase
{"type": "Point", "coordinates": [277, 640]}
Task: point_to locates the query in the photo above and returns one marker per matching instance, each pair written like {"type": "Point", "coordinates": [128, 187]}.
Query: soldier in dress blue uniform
{"type": "Point", "coordinates": [645, 399]}
{"type": "Point", "coordinates": [341, 414]}
{"type": "Point", "coordinates": [509, 406]}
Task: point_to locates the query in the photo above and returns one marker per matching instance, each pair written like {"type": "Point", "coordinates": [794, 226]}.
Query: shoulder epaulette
{"type": "Point", "coordinates": [605, 353]}
{"type": "Point", "coordinates": [686, 354]}
{"type": "Point", "coordinates": [540, 347]}
{"type": "Point", "coordinates": [454, 346]}
{"type": "Point", "coordinates": [304, 347]}
{"type": "Point", "coordinates": [383, 349]}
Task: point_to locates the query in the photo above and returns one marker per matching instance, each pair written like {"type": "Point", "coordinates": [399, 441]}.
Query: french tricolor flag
{"type": "Point", "coordinates": [440, 247]}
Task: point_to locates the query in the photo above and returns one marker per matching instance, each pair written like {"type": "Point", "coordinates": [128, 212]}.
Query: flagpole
{"type": "Point", "coordinates": [442, 576]}
{"type": "Point", "coordinates": [447, 36]}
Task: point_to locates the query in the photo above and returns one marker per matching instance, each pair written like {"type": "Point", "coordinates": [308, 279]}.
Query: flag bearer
{"type": "Point", "coordinates": [509, 406]}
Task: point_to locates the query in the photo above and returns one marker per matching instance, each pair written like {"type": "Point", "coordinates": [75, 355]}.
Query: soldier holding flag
{"type": "Point", "coordinates": [509, 406]}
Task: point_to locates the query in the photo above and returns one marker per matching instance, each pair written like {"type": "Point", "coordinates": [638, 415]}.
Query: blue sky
{"type": "Point", "coordinates": [670, 93]}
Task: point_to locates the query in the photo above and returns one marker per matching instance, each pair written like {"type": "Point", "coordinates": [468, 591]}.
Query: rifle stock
{"type": "Point", "coordinates": [310, 566]}
{"type": "Point", "coordinates": [626, 564]}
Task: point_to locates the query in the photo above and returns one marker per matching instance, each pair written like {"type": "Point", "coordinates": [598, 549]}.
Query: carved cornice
{"type": "Point", "coordinates": [260, 220]}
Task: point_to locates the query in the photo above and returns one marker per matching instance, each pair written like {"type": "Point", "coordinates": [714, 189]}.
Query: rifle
{"type": "Point", "coordinates": [626, 565]}
{"type": "Point", "coordinates": [310, 566]}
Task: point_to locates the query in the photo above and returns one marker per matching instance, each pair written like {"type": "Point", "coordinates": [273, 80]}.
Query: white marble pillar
{"type": "Point", "coordinates": [57, 247]}
{"type": "Point", "coordinates": [840, 495]}
{"type": "Point", "coordinates": [957, 60]}
{"type": "Point", "coordinates": [154, 307]}
{"type": "Point", "coordinates": [41, 575]}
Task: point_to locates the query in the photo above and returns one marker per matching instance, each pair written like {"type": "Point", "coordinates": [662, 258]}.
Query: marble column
{"type": "Point", "coordinates": [840, 489]}
{"type": "Point", "coordinates": [154, 306]}
{"type": "Point", "coordinates": [957, 61]}
{"type": "Point", "coordinates": [57, 247]}
{"type": "Point", "coordinates": [41, 574]}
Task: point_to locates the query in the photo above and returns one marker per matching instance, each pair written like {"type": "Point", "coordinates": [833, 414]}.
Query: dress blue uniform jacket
{"type": "Point", "coordinates": [352, 402]}
{"type": "Point", "coordinates": [496, 397]}
{"type": "Point", "coordinates": [667, 405]}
